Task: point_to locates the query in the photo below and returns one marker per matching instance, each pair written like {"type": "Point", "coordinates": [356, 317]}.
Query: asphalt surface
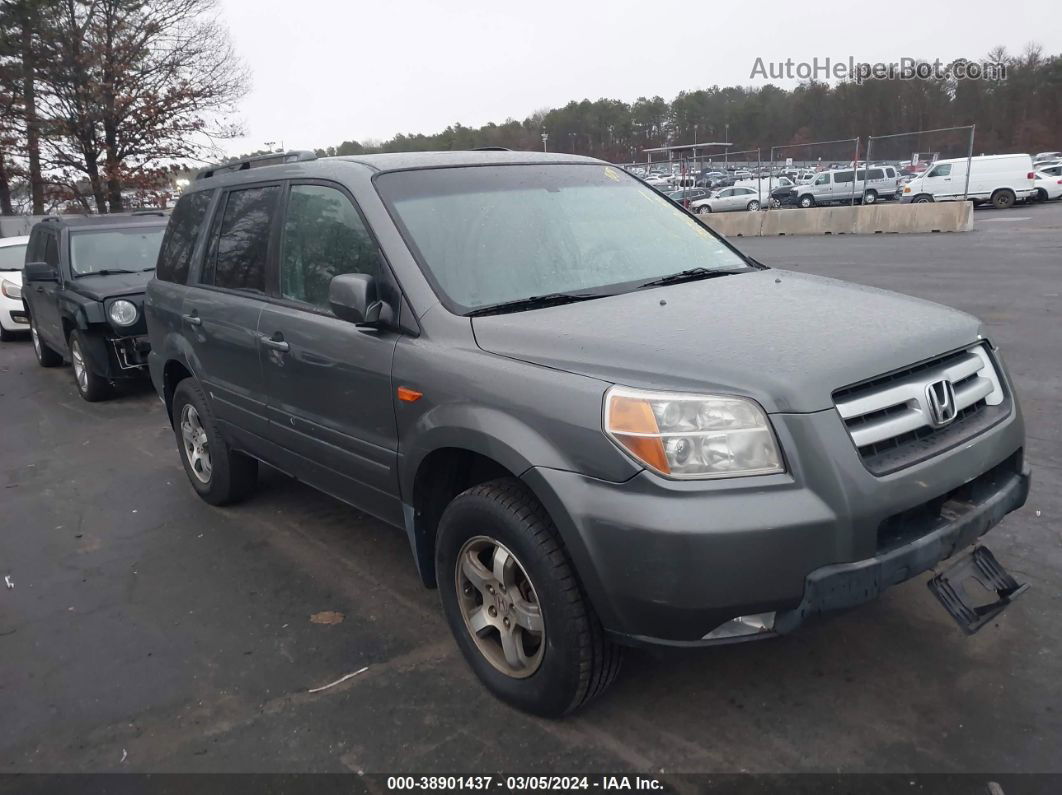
{"type": "Point", "coordinates": [148, 631]}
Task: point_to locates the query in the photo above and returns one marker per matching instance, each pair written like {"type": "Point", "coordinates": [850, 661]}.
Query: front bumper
{"type": "Point", "coordinates": [13, 315]}
{"type": "Point", "coordinates": [669, 562]}
{"type": "Point", "coordinates": [117, 357]}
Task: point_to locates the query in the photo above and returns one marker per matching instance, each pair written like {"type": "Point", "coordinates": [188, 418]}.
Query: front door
{"type": "Point", "coordinates": [221, 311]}
{"type": "Point", "coordinates": [328, 381]}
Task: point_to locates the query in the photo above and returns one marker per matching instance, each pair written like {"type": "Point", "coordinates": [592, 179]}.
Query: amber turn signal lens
{"type": "Point", "coordinates": [628, 416]}
{"type": "Point", "coordinates": [407, 395]}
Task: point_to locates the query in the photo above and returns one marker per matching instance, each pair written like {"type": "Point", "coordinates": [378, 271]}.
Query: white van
{"type": "Point", "coordinates": [866, 186]}
{"type": "Point", "coordinates": [1000, 179]}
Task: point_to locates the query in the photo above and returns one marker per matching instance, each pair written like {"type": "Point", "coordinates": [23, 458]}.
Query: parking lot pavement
{"type": "Point", "coordinates": [148, 631]}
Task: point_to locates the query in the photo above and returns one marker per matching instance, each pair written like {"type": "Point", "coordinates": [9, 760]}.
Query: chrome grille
{"type": "Point", "coordinates": [892, 419]}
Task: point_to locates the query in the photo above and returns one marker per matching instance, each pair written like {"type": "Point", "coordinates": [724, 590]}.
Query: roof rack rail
{"type": "Point", "coordinates": [147, 211]}
{"type": "Point", "coordinates": [490, 149]}
{"type": "Point", "coordinates": [271, 159]}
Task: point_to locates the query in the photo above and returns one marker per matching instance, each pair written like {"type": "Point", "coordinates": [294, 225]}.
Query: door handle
{"type": "Point", "coordinates": [275, 344]}
{"type": "Point", "coordinates": [193, 319]}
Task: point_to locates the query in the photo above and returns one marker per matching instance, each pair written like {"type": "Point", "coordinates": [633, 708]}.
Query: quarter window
{"type": "Point", "coordinates": [324, 236]}
{"type": "Point", "coordinates": [240, 242]}
{"type": "Point", "coordinates": [181, 235]}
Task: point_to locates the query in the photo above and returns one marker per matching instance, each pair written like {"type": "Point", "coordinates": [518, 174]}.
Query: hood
{"type": "Point", "coordinates": [787, 340]}
{"type": "Point", "coordinates": [101, 287]}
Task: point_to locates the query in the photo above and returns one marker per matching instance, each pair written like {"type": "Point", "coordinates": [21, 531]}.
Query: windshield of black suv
{"type": "Point", "coordinates": [129, 250]}
{"type": "Point", "coordinates": [12, 257]}
{"type": "Point", "coordinates": [489, 235]}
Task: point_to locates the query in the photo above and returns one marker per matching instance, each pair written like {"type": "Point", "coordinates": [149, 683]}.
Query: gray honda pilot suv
{"type": "Point", "coordinates": [598, 424]}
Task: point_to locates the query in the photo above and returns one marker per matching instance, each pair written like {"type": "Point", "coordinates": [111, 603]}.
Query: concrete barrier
{"type": "Point", "coordinates": [887, 218]}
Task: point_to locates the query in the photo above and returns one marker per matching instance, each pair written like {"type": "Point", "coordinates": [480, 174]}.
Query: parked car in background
{"type": "Point", "coordinates": [1043, 157]}
{"type": "Point", "coordinates": [83, 288]}
{"type": "Point", "coordinates": [999, 179]}
{"type": "Point", "coordinates": [728, 200]}
{"type": "Point", "coordinates": [1047, 186]}
{"type": "Point", "coordinates": [13, 320]}
{"type": "Point", "coordinates": [865, 185]}
{"type": "Point", "coordinates": [385, 328]}
{"type": "Point", "coordinates": [688, 194]}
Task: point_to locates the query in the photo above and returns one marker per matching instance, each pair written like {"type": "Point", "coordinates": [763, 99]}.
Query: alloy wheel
{"type": "Point", "coordinates": [80, 372]}
{"type": "Point", "coordinates": [195, 442]}
{"type": "Point", "coordinates": [500, 607]}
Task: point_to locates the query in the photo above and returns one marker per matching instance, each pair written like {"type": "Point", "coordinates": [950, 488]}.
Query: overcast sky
{"type": "Point", "coordinates": [325, 71]}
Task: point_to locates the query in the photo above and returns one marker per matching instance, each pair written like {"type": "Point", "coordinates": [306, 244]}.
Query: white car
{"type": "Point", "coordinates": [12, 313]}
{"type": "Point", "coordinates": [728, 199]}
{"type": "Point", "coordinates": [1048, 184]}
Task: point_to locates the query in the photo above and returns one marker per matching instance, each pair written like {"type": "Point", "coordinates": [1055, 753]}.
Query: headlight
{"type": "Point", "coordinates": [123, 313]}
{"type": "Point", "coordinates": [10, 289]}
{"type": "Point", "coordinates": [692, 436]}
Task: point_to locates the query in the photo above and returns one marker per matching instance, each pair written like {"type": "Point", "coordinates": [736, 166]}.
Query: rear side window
{"type": "Point", "coordinates": [324, 236]}
{"type": "Point", "coordinates": [239, 243]}
{"type": "Point", "coordinates": [876, 173]}
{"type": "Point", "coordinates": [842, 176]}
{"type": "Point", "coordinates": [175, 257]}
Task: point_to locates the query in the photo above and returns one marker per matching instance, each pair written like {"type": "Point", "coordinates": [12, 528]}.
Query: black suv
{"type": "Point", "coordinates": [83, 287]}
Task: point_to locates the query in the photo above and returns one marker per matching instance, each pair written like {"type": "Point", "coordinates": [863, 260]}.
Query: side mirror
{"type": "Point", "coordinates": [40, 272]}
{"type": "Point", "coordinates": [353, 297]}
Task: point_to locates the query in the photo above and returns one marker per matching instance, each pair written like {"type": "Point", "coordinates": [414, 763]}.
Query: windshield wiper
{"type": "Point", "coordinates": [534, 302]}
{"type": "Point", "coordinates": [145, 270]}
{"type": "Point", "coordinates": [692, 275]}
{"type": "Point", "coordinates": [107, 272]}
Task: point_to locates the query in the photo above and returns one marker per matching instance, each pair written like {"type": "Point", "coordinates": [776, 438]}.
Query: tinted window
{"type": "Point", "coordinates": [842, 176]}
{"type": "Point", "coordinates": [51, 250]}
{"type": "Point", "coordinates": [323, 237]}
{"type": "Point", "coordinates": [240, 241]}
{"type": "Point", "coordinates": [876, 173]}
{"type": "Point", "coordinates": [181, 234]}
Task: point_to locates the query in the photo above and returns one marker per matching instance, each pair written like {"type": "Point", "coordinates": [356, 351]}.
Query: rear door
{"type": "Point", "coordinates": [329, 381]}
{"type": "Point", "coordinates": [220, 311]}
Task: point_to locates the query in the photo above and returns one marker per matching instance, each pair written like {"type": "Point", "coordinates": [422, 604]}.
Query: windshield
{"type": "Point", "coordinates": [132, 249]}
{"type": "Point", "coordinates": [12, 257]}
{"type": "Point", "coordinates": [490, 235]}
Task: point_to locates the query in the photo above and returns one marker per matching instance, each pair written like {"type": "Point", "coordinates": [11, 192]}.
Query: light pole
{"type": "Point", "coordinates": [545, 137]}
{"type": "Point", "coordinates": [726, 140]}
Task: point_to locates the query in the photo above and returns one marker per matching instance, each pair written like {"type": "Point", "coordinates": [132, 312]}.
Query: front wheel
{"type": "Point", "coordinates": [514, 605]}
{"type": "Point", "coordinates": [704, 209]}
{"type": "Point", "coordinates": [870, 197]}
{"type": "Point", "coordinates": [90, 385]}
{"type": "Point", "coordinates": [753, 206]}
{"type": "Point", "coordinates": [1041, 195]}
{"type": "Point", "coordinates": [806, 201]}
{"type": "Point", "coordinates": [218, 474]}
{"type": "Point", "coordinates": [923, 199]}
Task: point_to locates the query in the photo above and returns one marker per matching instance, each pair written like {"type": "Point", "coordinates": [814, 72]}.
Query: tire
{"type": "Point", "coordinates": [1003, 199]}
{"type": "Point", "coordinates": [219, 475]}
{"type": "Point", "coordinates": [704, 209]}
{"type": "Point", "coordinates": [922, 199]}
{"type": "Point", "coordinates": [753, 206]}
{"type": "Point", "coordinates": [870, 197]}
{"type": "Point", "coordinates": [1041, 195]}
{"type": "Point", "coordinates": [807, 200]}
{"type": "Point", "coordinates": [570, 661]}
{"type": "Point", "coordinates": [91, 386]}
{"type": "Point", "coordinates": [46, 357]}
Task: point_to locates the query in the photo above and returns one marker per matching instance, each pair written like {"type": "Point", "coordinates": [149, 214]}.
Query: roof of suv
{"type": "Point", "coordinates": [147, 218]}
{"type": "Point", "coordinates": [395, 161]}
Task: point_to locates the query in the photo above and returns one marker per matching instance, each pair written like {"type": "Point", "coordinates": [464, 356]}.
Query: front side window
{"type": "Point", "coordinates": [323, 237]}
{"type": "Point", "coordinates": [940, 171]}
{"type": "Point", "coordinates": [489, 235]}
{"type": "Point", "coordinates": [181, 235]}
{"type": "Point", "coordinates": [876, 173]}
{"type": "Point", "coordinates": [822, 179]}
{"type": "Point", "coordinates": [12, 257]}
{"type": "Point", "coordinates": [239, 243]}
{"type": "Point", "coordinates": [129, 250]}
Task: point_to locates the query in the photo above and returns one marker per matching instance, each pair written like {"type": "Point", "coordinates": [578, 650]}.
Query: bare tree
{"type": "Point", "coordinates": [132, 85]}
